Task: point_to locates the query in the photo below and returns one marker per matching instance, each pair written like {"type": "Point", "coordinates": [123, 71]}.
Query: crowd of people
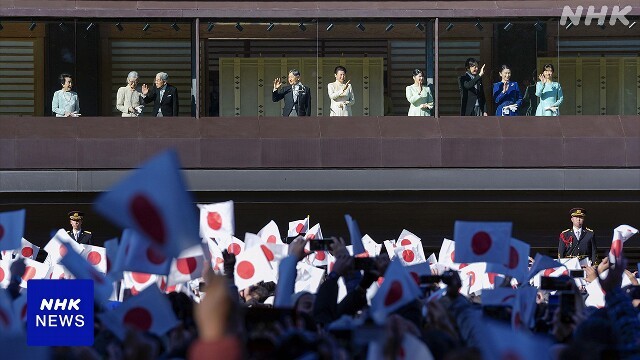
{"type": "Point", "coordinates": [297, 97]}
{"type": "Point", "coordinates": [216, 319]}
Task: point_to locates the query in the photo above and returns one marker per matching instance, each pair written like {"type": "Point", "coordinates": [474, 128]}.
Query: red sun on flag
{"type": "Point", "coordinates": [320, 256]}
{"type": "Point", "coordinates": [616, 247]}
{"type": "Point", "coordinates": [246, 270]}
{"type": "Point", "coordinates": [214, 220]}
{"type": "Point", "coordinates": [1, 274]}
{"type": "Point", "coordinates": [299, 228]}
{"type": "Point", "coordinates": [63, 250]}
{"type": "Point", "coordinates": [29, 273]}
{"type": "Point", "coordinates": [139, 318]}
{"type": "Point", "coordinates": [234, 249]}
{"type": "Point", "coordinates": [271, 239]}
{"type": "Point", "coordinates": [405, 242]}
{"type": "Point", "coordinates": [513, 258]}
{"type": "Point", "coordinates": [94, 258]}
{"type": "Point", "coordinates": [27, 251]}
{"type": "Point", "coordinates": [267, 253]}
{"type": "Point", "coordinates": [480, 243]}
{"type": "Point", "coordinates": [548, 272]}
{"type": "Point", "coordinates": [154, 256]}
{"type": "Point", "coordinates": [408, 255]}
{"type": "Point", "coordinates": [148, 217]}
{"type": "Point", "coordinates": [187, 265]}
{"type": "Point", "coordinates": [140, 277]}
{"type": "Point", "coordinates": [394, 294]}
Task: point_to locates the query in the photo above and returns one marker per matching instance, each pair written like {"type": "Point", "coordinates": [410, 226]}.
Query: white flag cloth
{"type": "Point", "coordinates": [232, 244]}
{"type": "Point", "coordinates": [137, 254]}
{"type": "Point", "coordinates": [390, 245]}
{"type": "Point", "coordinates": [270, 233]}
{"type": "Point", "coordinates": [620, 234]}
{"type": "Point", "coordinates": [251, 240]}
{"type": "Point", "coordinates": [274, 254]}
{"type": "Point", "coordinates": [596, 294]}
{"type": "Point", "coordinates": [308, 278]}
{"type": "Point", "coordinates": [397, 290]}
{"type": "Point", "coordinates": [524, 308]}
{"type": "Point", "coordinates": [542, 262]}
{"type": "Point", "coordinates": [189, 266]}
{"type": "Point", "coordinates": [298, 227]}
{"type": "Point", "coordinates": [217, 261]}
{"type": "Point", "coordinates": [447, 255]}
{"type": "Point", "coordinates": [34, 270]}
{"type": "Point", "coordinates": [317, 258]}
{"type": "Point", "coordinates": [409, 255]}
{"type": "Point", "coordinates": [27, 250]}
{"type": "Point", "coordinates": [58, 272]}
{"type": "Point", "coordinates": [5, 272]}
{"type": "Point", "coordinates": [11, 229]}
{"type": "Point", "coordinates": [137, 282]}
{"type": "Point", "coordinates": [96, 256]}
{"type": "Point", "coordinates": [153, 200]}
{"type": "Point", "coordinates": [499, 296]}
{"type": "Point", "coordinates": [314, 233]}
{"type": "Point", "coordinates": [407, 238]}
{"type": "Point", "coordinates": [56, 249]}
{"type": "Point", "coordinates": [482, 241]}
{"type": "Point", "coordinates": [149, 311]}
{"type": "Point", "coordinates": [472, 277]}
{"type": "Point", "coordinates": [216, 218]}
{"type": "Point", "coordinates": [371, 247]}
{"type": "Point", "coordinates": [9, 321]}
{"type": "Point", "coordinates": [501, 342]}
{"type": "Point", "coordinates": [251, 268]}
{"type": "Point", "coordinates": [518, 264]}
{"type": "Point", "coordinates": [81, 269]}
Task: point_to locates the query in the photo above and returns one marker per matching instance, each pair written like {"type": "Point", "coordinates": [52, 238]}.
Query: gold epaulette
{"type": "Point", "coordinates": [586, 228]}
{"type": "Point", "coordinates": [566, 230]}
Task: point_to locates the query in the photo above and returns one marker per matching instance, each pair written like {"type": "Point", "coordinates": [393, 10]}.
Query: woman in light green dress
{"type": "Point", "coordinates": [419, 96]}
{"type": "Point", "coordinates": [549, 92]}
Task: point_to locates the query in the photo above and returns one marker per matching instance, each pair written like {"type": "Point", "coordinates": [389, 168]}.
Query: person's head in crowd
{"type": "Point", "coordinates": [547, 71]}
{"type": "Point", "coordinates": [75, 219]}
{"type": "Point", "coordinates": [341, 74]}
{"type": "Point", "coordinates": [577, 216]}
{"type": "Point", "coordinates": [471, 65]}
{"type": "Point", "coordinates": [505, 73]}
{"type": "Point", "coordinates": [418, 77]}
{"type": "Point", "coordinates": [161, 79]}
{"type": "Point", "coordinates": [303, 302]}
{"type": "Point", "coordinates": [132, 79]}
{"type": "Point", "coordinates": [66, 81]}
{"type": "Point", "coordinates": [294, 76]}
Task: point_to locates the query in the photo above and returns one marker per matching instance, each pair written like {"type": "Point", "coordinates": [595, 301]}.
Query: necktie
{"type": "Point", "coordinates": [578, 234]}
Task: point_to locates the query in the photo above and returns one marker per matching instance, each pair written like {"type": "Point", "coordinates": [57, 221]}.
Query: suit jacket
{"type": "Point", "coordinates": [469, 94]}
{"type": "Point", "coordinates": [168, 103]}
{"type": "Point", "coordinates": [286, 92]}
{"type": "Point", "coordinates": [571, 246]}
{"type": "Point", "coordinates": [84, 237]}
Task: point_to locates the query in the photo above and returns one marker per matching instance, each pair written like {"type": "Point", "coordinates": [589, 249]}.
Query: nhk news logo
{"type": "Point", "coordinates": [60, 313]}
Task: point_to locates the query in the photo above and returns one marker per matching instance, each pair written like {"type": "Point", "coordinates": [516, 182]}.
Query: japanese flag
{"type": "Point", "coordinates": [5, 272]}
{"type": "Point", "coordinates": [620, 234]}
{"type": "Point", "coordinates": [482, 241]}
{"type": "Point", "coordinates": [371, 248]}
{"type": "Point", "coordinates": [57, 272]}
{"type": "Point", "coordinates": [472, 277]}
{"type": "Point", "coordinates": [251, 240]}
{"type": "Point", "coordinates": [524, 308]}
{"type": "Point", "coordinates": [518, 264]}
{"type": "Point", "coordinates": [56, 249]}
{"type": "Point", "coordinates": [251, 268]}
{"type": "Point", "coordinates": [138, 255]}
{"type": "Point", "coordinates": [111, 252]}
{"type": "Point", "coordinates": [96, 256]}
{"type": "Point", "coordinates": [355, 235]}
{"type": "Point", "coordinates": [447, 255]}
{"type": "Point", "coordinates": [27, 250]}
{"type": "Point", "coordinates": [398, 289]}
{"type": "Point", "coordinates": [596, 294]}
{"type": "Point", "coordinates": [418, 270]}
{"type": "Point", "coordinates": [490, 279]}
{"type": "Point", "coordinates": [216, 218]}
{"type": "Point", "coordinates": [298, 227]}
{"type": "Point", "coordinates": [314, 233]}
{"type": "Point", "coordinates": [11, 229]}
{"type": "Point", "coordinates": [149, 311]}
{"type": "Point", "coordinates": [499, 296]}
{"type": "Point", "coordinates": [189, 266]}
{"type": "Point", "coordinates": [34, 270]}
{"type": "Point", "coordinates": [274, 254]}
{"type": "Point", "coordinates": [82, 269]}
{"type": "Point", "coordinates": [317, 258]}
{"type": "Point", "coordinates": [217, 261]}
{"type": "Point", "coordinates": [153, 200]}
{"type": "Point", "coordinates": [501, 342]}
{"type": "Point", "coordinates": [139, 281]}
{"type": "Point", "coordinates": [308, 278]}
{"type": "Point", "coordinates": [409, 255]}
{"type": "Point", "coordinates": [230, 243]}
{"type": "Point", "coordinates": [407, 238]}
{"type": "Point", "coordinates": [390, 245]}
{"type": "Point", "coordinates": [270, 233]}
{"type": "Point", "coordinates": [9, 321]}
{"type": "Point", "coordinates": [542, 262]}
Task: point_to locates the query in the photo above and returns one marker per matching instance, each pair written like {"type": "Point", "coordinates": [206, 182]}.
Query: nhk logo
{"type": "Point", "coordinates": [617, 14]}
{"type": "Point", "coordinates": [60, 313]}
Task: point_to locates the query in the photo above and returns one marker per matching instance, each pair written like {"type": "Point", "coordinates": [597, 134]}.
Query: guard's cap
{"type": "Point", "coordinates": [76, 215]}
{"type": "Point", "coordinates": [578, 212]}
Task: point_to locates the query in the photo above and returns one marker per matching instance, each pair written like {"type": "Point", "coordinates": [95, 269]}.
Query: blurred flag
{"type": "Point", "coordinates": [397, 290]}
{"type": "Point", "coordinates": [298, 227]}
{"type": "Point", "coordinates": [216, 218]}
{"type": "Point", "coordinates": [620, 234]}
{"type": "Point", "coordinates": [11, 229]}
{"type": "Point", "coordinates": [482, 241]}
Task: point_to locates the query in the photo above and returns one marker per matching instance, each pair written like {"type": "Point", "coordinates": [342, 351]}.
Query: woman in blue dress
{"type": "Point", "coordinates": [549, 92]}
{"type": "Point", "coordinates": [506, 94]}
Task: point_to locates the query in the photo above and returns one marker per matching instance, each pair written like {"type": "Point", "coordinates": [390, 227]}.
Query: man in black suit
{"type": "Point", "coordinates": [77, 234]}
{"type": "Point", "coordinates": [297, 97]}
{"type": "Point", "coordinates": [578, 241]}
{"type": "Point", "coordinates": [164, 96]}
{"type": "Point", "coordinates": [473, 102]}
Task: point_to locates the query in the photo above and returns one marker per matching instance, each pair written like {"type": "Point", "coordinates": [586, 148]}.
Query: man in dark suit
{"type": "Point", "coordinates": [578, 241]}
{"type": "Point", "coordinates": [297, 97]}
{"type": "Point", "coordinates": [77, 234]}
{"type": "Point", "coordinates": [163, 96]}
{"type": "Point", "coordinates": [473, 102]}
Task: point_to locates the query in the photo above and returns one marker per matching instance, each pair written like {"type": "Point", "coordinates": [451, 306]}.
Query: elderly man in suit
{"type": "Point", "coordinates": [163, 96]}
{"type": "Point", "coordinates": [77, 233]}
{"type": "Point", "coordinates": [297, 97]}
{"type": "Point", "coordinates": [472, 102]}
{"type": "Point", "coordinates": [578, 241]}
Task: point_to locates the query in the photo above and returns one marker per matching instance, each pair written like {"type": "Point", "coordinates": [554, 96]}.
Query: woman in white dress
{"type": "Point", "coordinates": [419, 96]}
{"type": "Point", "coordinates": [341, 93]}
{"type": "Point", "coordinates": [65, 102]}
{"type": "Point", "coordinates": [128, 97]}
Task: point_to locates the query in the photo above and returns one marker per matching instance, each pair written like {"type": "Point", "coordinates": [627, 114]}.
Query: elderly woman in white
{"type": "Point", "coordinates": [65, 102]}
{"type": "Point", "coordinates": [341, 93]}
{"type": "Point", "coordinates": [128, 97]}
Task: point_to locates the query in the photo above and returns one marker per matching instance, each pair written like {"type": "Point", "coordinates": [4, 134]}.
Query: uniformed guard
{"type": "Point", "coordinates": [578, 241]}
{"type": "Point", "coordinates": [77, 233]}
